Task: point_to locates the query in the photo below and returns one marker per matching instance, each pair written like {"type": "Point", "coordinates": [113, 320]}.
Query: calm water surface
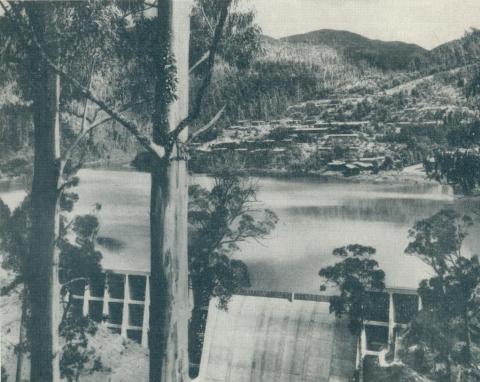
{"type": "Point", "coordinates": [315, 217]}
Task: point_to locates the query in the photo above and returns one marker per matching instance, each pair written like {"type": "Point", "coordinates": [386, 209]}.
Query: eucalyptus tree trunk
{"type": "Point", "coordinates": [169, 296]}
{"type": "Point", "coordinates": [42, 264]}
{"type": "Point", "coordinates": [21, 337]}
{"type": "Point", "coordinates": [468, 338]}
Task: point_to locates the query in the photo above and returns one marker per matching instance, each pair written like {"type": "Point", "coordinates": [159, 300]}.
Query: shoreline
{"type": "Point", "coordinates": [384, 177]}
{"type": "Point", "coordinates": [411, 174]}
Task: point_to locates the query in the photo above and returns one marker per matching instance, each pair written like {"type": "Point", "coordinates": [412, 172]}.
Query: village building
{"type": "Point", "coordinates": [335, 139]}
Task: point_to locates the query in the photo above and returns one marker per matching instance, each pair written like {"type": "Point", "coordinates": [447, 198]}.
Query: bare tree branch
{"type": "Point", "coordinates": [148, 5]}
{"type": "Point", "coordinates": [212, 122]}
{"type": "Point", "coordinates": [67, 308]}
{"type": "Point", "coordinates": [75, 280]}
{"type": "Point", "coordinates": [199, 62]}
{"type": "Point", "coordinates": [146, 142]}
{"type": "Point", "coordinates": [10, 286]}
{"type": "Point", "coordinates": [6, 46]}
{"type": "Point", "coordinates": [82, 134]}
{"type": "Point", "coordinates": [197, 104]}
{"type": "Point", "coordinates": [75, 113]}
{"type": "Point", "coordinates": [151, 4]}
{"type": "Point", "coordinates": [68, 152]}
{"type": "Point", "coordinates": [89, 86]}
{"type": "Point", "coordinates": [206, 19]}
{"type": "Point", "coordinates": [94, 124]}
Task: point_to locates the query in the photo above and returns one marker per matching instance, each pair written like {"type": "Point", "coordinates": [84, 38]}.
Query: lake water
{"type": "Point", "coordinates": [315, 217]}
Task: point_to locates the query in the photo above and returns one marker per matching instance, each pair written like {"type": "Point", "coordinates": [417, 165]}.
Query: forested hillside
{"type": "Point", "coordinates": [386, 55]}
{"type": "Point", "coordinates": [268, 75]}
{"type": "Point", "coordinates": [285, 73]}
{"type": "Point", "coordinates": [461, 52]}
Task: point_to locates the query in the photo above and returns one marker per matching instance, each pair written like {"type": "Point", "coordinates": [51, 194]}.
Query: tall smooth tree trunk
{"type": "Point", "coordinates": [21, 337]}
{"type": "Point", "coordinates": [468, 338]}
{"type": "Point", "coordinates": [42, 265]}
{"type": "Point", "coordinates": [169, 295]}
{"type": "Point", "coordinates": [197, 325]}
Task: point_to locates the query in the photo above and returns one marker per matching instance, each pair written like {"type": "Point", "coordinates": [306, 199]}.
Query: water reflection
{"type": "Point", "coordinates": [394, 210]}
{"type": "Point", "coordinates": [315, 217]}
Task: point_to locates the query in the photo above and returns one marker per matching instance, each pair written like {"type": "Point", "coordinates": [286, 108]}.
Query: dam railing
{"type": "Point", "coordinates": [122, 300]}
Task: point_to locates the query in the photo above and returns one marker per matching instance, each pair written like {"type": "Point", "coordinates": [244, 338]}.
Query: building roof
{"type": "Point", "coordinates": [351, 167]}
{"type": "Point", "coordinates": [276, 340]}
{"type": "Point", "coordinates": [363, 165]}
{"type": "Point", "coordinates": [306, 129]}
{"type": "Point", "coordinates": [371, 159]}
{"type": "Point", "coordinates": [336, 163]}
{"type": "Point", "coordinates": [342, 136]}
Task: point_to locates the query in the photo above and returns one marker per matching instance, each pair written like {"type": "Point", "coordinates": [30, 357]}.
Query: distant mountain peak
{"type": "Point", "coordinates": [387, 55]}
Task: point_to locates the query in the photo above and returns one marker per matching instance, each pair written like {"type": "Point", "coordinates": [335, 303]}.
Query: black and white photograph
{"type": "Point", "coordinates": [240, 190]}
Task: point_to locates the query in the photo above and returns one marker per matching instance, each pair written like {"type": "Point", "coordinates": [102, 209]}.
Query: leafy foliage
{"type": "Point", "coordinates": [241, 42]}
{"type": "Point", "coordinates": [456, 53]}
{"type": "Point", "coordinates": [79, 262]}
{"type": "Point", "coordinates": [78, 257]}
{"type": "Point", "coordinates": [465, 136]}
{"type": "Point", "coordinates": [220, 219]}
{"type": "Point", "coordinates": [437, 240]}
{"type": "Point", "coordinates": [14, 236]}
{"type": "Point", "coordinates": [354, 276]}
{"type": "Point", "coordinates": [447, 330]}
{"type": "Point", "coordinates": [459, 167]}
{"type": "Point", "coordinates": [77, 356]}
{"type": "Point", "coordinates": [473, 87]}
{"type": "Point", "coordinates": [83, 30]}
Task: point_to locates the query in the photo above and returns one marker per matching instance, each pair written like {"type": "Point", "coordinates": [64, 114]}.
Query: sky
{"type": "Point", "coordinates": [427, 23]}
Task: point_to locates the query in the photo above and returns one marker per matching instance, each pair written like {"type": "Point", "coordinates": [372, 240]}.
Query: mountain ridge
{"type": "Point", "coordinates": [386, 55]}
{"type": "Point", "coordinates": [347, 32]}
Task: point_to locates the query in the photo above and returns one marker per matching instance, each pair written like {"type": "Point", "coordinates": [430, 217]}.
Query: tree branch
{"type": "Point", "coordinates": [6, 46]}
{"type": "Point", "coordinates": [197, 104]}
{"type": "Point", "coordinates": [146, 142]}
{"type": "Point", "coordinates": [94, 125]}
{"type": "Point", "coordinates": [75, 113]}
{"type": "Point", "coordinates": [12, 285]}
{"type": "Point", "coordinates": [67, 308]}
{"type": "Point", "coordinates": [84, 120]}
{"type": "Point", "coordinates": [152, 4]}
{"type": "Point", "coordinates": [206, 19]}
{"type": "Point", "coordinates": [89, 86]}
{"type": "Point", "coordinates": [72, 281]}
{"type": "Point", "coordinates": [83, 134]}
{"type": "Point", "coordinates": [212, 122]}
{"type": "Point", "coordinates": [199, 62]}
{"type": "Point", "coordinates": [148, 6]}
